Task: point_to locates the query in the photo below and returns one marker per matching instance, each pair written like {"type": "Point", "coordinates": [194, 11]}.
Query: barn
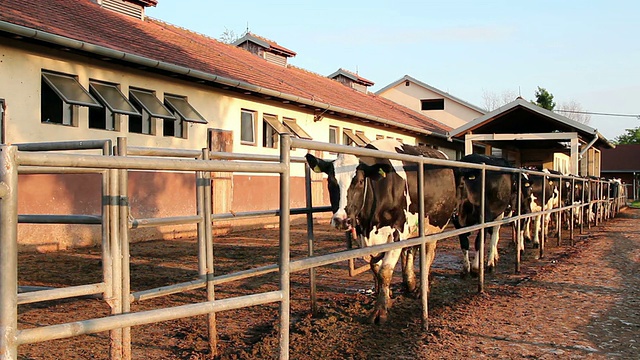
{"type": "Point", "coordinates": [99, 70]}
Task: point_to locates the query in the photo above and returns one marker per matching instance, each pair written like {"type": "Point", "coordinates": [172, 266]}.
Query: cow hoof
{"type": "Point", "coordinates": [521, 253]}
{"type": "Point", "coordinates": [536, 245]}
{"type": "Point", "coordinates": [378, 317]}
{"type": "Point", "coordinates": [491, 269]}
{"type": "Point", "coordinates": [464, 274]}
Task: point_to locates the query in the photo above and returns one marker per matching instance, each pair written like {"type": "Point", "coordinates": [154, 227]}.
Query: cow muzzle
{"type": "Point", "coordinates": [340, 222]}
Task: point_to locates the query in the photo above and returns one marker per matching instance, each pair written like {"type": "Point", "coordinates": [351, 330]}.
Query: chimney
{"type": "Point", "coordinates": [133, 8]}
{"type": "Point", "coordinates": [266, 49]}
{"type": "Point", "coordinates": [351, 80]}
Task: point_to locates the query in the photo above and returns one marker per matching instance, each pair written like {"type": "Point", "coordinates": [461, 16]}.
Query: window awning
{"type": "Point", "coordinates": [151, 104]}
{"type": "Point", "coordinates": [70, 90]}
{"type": "Point", "coordinates": [113, 99]}
{"type": "Point", "coordinates": [296, 129]}
{"type": "Point", "coordinates": [353, 137]}
{"type": "Point", "coordinates": [275, 124]}
{"type": "Point", "coordinates": [184, 109]}
{"type": "Point", "coordinates": [362, 137]}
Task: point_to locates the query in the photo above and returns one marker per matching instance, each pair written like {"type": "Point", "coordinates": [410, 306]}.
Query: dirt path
{"type": "Point", "coordinates": [584, 305]}
{"type": "Point", "coordinates": [577, 302]}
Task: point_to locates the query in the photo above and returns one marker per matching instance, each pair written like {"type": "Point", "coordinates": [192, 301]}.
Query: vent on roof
{"type": "Point", "coordinates": [266, 49]}
{"type": "Point", "coordinates": [133, 8]}
{"type": "Point", "coordinates": [351, 80]}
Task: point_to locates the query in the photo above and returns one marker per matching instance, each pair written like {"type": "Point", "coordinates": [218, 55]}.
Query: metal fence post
{"type": "Point", "coordinates": [208, 237]}
{"type": "Point", "coordinates": [310, 238]}
{"type": "Point", "coordinates": [285, 232]}
{"type": "Point", "coordinates": [123, 210]}
{"type": "Point", "coordinates": [424, 277]}
{"type": "Point", "coordinates": [8, 253]}
{"type": "Point", "coordinates": [481, 234]}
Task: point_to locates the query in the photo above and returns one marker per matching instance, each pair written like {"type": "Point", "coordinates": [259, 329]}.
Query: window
{"type": "Point", "coordinates": [399, 140]}
{"type": "Point", "coordinates": [333, 135]}
{"type": "Point", "coordinates": [272, 128]}
{"type": "Point", "coordinates": [59, 98]}
{"type": "Point", "coordinates": [362, 137]}
{"type": "Point", "coordinates": [432, 104]}
{"type": "Point", "coordinates": [247, 127]}
{"type": "Point", "coordinates": [296, 129]}
{"type": "Point", "coordinates": [149, 107]}
{"type": "Point", "coordinates": [174, 128]}
{"type": "Point", "coordinates": [379, 137]}
{"type": "Point", "coordinates": [349, 138]}
{"type": "Point", "coordinates": [183, 112]}
{"type": "Point", "coordinates": [114, 102]}
{"type": "Point", "coordinates": [182, 107]}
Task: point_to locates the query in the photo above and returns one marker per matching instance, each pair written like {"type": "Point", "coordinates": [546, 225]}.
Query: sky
{"type": "Point", "coordinates": [585, 51]}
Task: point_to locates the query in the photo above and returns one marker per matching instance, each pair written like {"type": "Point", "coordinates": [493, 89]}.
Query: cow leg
{"type": "Point", "coordinates": [527, 229]}
{"type": "Point", "coordinates": [380, 312]}
{"type": "Point", "coordinates": [408, 272]}
{"type": "Point", "coordinates": [464, 246]}
{"type": "Point", "coordinates": [492, 262]}
{"type": "Point", "coordinates": [536, 231]}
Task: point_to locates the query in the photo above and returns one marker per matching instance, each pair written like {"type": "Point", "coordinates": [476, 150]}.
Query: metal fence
{"type": "Point", "coordinates": [116, 222]}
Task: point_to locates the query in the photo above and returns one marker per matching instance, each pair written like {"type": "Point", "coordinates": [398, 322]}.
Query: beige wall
{"type": "Point", "coordinates": [453, 115]}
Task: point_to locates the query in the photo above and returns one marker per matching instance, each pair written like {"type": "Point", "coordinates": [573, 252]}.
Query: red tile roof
{"type": "Point", "coordinates": [86, 21]}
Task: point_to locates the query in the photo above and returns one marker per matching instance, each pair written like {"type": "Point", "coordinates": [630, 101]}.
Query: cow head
{"type": "Point", "coordinates": [340, 173]}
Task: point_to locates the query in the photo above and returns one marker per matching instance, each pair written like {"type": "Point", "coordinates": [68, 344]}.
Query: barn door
{"type": "Point", "coordinates": [221, 182]}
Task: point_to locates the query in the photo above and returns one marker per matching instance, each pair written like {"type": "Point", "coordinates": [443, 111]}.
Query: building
{"type": "Point", "coordinates": [430, 101]}
{"type": "Point", "coordinates": [623, 163]}
{"type": "Point", "coordinates": [527, 135]}
{"type": "Point", "coordinates": [81, 69]}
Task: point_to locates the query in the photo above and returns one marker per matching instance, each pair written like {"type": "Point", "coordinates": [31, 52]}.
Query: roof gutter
{"type": "Point", "coordinates": [198, 74]}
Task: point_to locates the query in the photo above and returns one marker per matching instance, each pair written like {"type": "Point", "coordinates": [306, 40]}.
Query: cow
{"type": "Point", "coordinates": [500, 196]}
{"type": "Point", "coordinates": [380, 201]}
{"type": "Point", "coordinates": [540, 186]}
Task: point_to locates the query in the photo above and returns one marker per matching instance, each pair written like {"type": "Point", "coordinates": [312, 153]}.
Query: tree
{"type": "Point", "coordinates": [544, 99]}
{"type": "Point", "coordinates": [229, 36]}
{"type": "Point", "coordinates": [574, 111]}
{"type": "Point", "coordinates": [632, 136]}
{"type": "Point", "coordinates": [493, 101]}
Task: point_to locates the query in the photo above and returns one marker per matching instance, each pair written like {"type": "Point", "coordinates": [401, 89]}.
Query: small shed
{"type": "Point", "coordinates": [528, 135]}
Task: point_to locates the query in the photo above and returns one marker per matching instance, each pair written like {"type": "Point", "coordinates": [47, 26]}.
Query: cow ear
{"type": "Point", "coordinates": [375, 171]}
{"type": "Point", "coordinates": [318, 165]}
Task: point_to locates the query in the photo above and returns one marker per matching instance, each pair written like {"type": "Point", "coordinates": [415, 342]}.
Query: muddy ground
{"type": "Point", "coordinates": [577, 302]}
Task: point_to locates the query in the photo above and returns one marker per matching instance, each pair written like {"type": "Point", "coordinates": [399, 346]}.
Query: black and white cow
{"type": "Point", "coordinates": [540, 186]}
{"type": "Point", "coordinates": [500, 195]}
{"type": "Point", "coordinates": [379, 201]}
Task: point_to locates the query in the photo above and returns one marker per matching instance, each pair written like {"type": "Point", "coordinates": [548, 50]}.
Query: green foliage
{"type": "Point", "coordinates": [544, 99]}
{"type": "Point", "coordinates": [632, 136]}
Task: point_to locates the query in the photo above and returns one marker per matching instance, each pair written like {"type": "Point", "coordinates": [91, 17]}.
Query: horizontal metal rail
{"type": "Point", "coordinates": [142, 163]}
{"type": "Point", "coordinates": [65, 145]}
{"type": "Point", "coordinates": [60, 219]}
{"type": "Point", "coordinates": [175, 220]}
{"type": "Point", "coordinates": [147, 151]}
{"type": "Point", "coordinates": [61, 293]}
{"type": "Point", "coordinates": [92, 326]}
{"type": "Point", "coordinates": [245, 214]}
{"type": "Point", "coordinates": [58, 170]}
{"type": "Point", "coordinates": [251, 157]}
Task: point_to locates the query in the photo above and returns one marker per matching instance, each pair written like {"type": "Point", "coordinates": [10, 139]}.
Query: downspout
{"type": "Point", "coordinates": [588, 146]}
{"type": "Point", "coordinates": [198, 74]}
